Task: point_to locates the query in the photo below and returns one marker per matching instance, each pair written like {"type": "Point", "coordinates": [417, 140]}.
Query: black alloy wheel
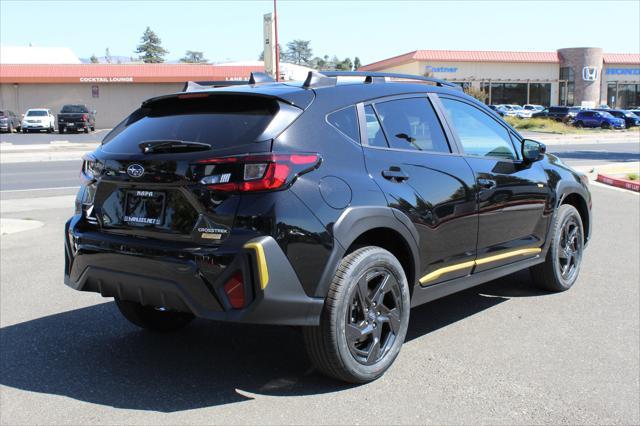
{"type": "Point", "coordinates": [570, 250]}
{"type": "Point", "coordinates": [561, 267]}
{"type": "Point", "coordinates": [372, 321]}
{"type": "Point", "coordinates": [365, 317]}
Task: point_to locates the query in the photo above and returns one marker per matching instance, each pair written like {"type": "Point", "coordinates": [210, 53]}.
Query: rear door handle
{"type": "Point", "coordinates": [486, 183]}
{"type": "Point", "coordinates": [395, 173]}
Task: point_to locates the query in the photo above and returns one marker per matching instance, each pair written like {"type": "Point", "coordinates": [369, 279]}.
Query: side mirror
{"type": "Point", "coordinates": [532, 150]}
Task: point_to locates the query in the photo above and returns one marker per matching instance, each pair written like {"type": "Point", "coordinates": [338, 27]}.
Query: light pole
{"type": "Point", "coordinates": [275, 24]}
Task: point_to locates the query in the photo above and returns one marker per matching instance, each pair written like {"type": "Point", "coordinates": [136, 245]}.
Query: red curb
{"type": "Point", "coordinates": [631, 185]}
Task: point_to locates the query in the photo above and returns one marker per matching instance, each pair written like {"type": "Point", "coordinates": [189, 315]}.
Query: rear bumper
{"type": "Point", "coordinates": [73, 125]}
{"type": "Point", "coordinates": [189, 280]}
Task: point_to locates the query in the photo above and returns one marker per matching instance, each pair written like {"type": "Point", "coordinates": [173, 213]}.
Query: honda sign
{"type": "Point", "coordinates": [589, 73]}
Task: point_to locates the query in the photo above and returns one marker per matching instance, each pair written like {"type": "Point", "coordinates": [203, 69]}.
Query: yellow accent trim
{"type": "Point", "coordinates": [263, 271]}
{"type": "Point", "coordinates": [520, 252]}
{"type": "Point", "coordinates": [438, 272]}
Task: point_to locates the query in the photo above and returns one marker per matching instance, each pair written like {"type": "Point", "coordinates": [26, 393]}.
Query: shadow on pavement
{"type": "Point", "coordinates": [92, 354]}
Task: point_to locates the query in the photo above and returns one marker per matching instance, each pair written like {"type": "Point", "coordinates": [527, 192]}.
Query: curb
{"type": "Point", "coordinates": [619, 183]}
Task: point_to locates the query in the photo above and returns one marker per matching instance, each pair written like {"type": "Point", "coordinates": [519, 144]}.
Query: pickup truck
{"type": "Point", "coordinates": [76, 118]}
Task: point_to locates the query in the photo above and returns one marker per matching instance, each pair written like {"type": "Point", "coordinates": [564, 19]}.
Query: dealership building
{"type": "Point", "coordinates": [51, 77]}
{"type": "Point", "coordinates": [113, 90]}
{"type": "Point", "coordinates": [574, 76]}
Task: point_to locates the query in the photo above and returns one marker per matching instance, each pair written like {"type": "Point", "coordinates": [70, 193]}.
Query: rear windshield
{"type": "Point", "coordinates": [74, 108]}
{"type": "Point", "coordinates": [2, 114]}
{"type": "Point", "coordinates": [220, 121]}
{"type": "Point", "coordinates": [36, 113]}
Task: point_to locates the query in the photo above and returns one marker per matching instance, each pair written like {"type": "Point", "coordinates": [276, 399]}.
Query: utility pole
{"type": "Point", "coordinates": [275, 23]}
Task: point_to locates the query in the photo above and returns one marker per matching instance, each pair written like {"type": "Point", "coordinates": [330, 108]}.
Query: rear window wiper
{"type": "Point", "coordinates": [148, 147]}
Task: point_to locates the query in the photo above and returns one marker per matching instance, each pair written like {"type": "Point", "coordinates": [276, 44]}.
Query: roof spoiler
{"type": "Point", "coordinates": [254, 78]}
{"type": "Point", "coordinates": [196, 86]}
{"type": "Point", "coordinates": [329, 78]}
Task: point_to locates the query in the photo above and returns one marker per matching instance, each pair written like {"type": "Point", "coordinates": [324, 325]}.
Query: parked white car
{"type": "Point", "coordinates": [38, 119]}
{"type": "Point", "coordinates": [508, 110]}
{"type": "Point", "coordinates": [533, 107]}
{"type": "Point", "coordinates": [521, 112]}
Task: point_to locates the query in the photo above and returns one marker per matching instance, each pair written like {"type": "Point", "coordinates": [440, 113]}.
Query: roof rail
{"type": "Point", "coordinates": [260, 77]}
{"type": "Point", "coordinates": [377, 77]}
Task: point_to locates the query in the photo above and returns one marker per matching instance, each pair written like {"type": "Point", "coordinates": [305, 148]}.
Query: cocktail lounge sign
{"type": "Point", "coordinates": [106, 79]}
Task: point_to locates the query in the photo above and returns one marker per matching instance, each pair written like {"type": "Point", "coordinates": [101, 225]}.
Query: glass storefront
{"type": "Point", "coordinates": [623, 95]}
{"type": "Point", "coordinates": [509, 93]}
{"type": "Point", "coordinates": [567, 79]}
{"type": "Point", "coordinates": [540, 94]}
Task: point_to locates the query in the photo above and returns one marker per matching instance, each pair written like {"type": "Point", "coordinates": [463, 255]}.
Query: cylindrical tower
{"type": "Point", "coordinates": [587, 70]}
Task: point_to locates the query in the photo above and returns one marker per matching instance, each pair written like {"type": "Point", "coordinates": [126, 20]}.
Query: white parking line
{"type": "Point", "coordinates": [39, 189]}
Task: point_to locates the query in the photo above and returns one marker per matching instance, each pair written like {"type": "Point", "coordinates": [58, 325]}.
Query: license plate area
{"type": "Point", "coordinates": [144, 208]}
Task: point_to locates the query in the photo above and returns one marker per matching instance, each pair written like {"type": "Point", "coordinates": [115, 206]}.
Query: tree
{"type": "Point", "coordinates": [356, 63]}
{"type": "Point", "coordinates": [93, 59]}
{"type": "Point", "coordinates": [194, 57]}
{"type": "Point", "coordinates": [480, 95]}
{"type": "Point", "coordinates": [345, 65]}
{"type": "Point", "coordinates": [299, 51]}
{"type": "Point", "coordinates": [107, 55]}
{"type": "Point", "coordinates": [150, 48]}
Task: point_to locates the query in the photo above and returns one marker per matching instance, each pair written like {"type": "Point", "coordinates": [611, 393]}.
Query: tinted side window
{"type": "Point", "coordinates": [412, 124]}
{"type": "Point", "coordinates": [346, 121]}
{"type": "Point", "coordinates": [479, 134]}
{"type": "Point", "coordinates": [375, 135]}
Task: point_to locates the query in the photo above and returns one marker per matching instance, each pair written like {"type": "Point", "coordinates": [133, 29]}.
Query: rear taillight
{"type": "Point", "coordinates": [234, 289]}
{"type": "Point", "coordinates": [248, 173]}
{"type": "Point", "coordinates": [91, 168]}
{"type": "Point", "coordinates": [84, 117]}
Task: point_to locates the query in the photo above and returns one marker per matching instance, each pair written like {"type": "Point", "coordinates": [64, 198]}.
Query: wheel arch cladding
{"type": "Point", "coordinates": [578, 201]}
{"type": "Point", "coordinates": [372, 225]}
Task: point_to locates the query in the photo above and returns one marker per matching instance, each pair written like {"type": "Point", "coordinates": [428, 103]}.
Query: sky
{"type": "Point", "coordinates": [371, 30]}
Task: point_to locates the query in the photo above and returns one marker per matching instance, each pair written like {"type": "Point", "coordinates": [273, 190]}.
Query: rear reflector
{"type": "Point", "coordinates": [234, 289]}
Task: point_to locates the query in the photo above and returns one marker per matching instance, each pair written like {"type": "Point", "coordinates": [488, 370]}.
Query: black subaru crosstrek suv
{"type": "Point", "coordinates": [333, 204]}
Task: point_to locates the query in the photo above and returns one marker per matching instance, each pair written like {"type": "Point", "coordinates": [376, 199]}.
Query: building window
{"type": "Point", "coordinates": [540, 94]}
{"type": "Point", "coordinates": [567, 86]}
{"type": "Point", "coordinates": [620, 95]}
{"type": "Point", "coordinates": [507, 93]}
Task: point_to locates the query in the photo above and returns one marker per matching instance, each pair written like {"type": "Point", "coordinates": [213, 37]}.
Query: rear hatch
{"type": "Point", "coordinates": [73, 114]}
{"type": "Point", "coordinates": [176, 168]}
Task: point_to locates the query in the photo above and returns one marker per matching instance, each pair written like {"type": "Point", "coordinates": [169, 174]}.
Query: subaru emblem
{"type": "Point", "coordinates": [135, 170]}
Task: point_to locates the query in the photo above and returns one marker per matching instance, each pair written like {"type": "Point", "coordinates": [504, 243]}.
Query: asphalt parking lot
{"type": "Point", "coordinates": [43, 137]}
{"type": "Point", "coordinates": [502, 353]}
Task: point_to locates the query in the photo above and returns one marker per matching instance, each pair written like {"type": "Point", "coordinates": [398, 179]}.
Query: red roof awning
{"type": "Point", "coordinates": [622, 58]}
{"type": "Point", "coordinates": [465, 56]}
{"type": "Point", "coordinates": [122, 73]}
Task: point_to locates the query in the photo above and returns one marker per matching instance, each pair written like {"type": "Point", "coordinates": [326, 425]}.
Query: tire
{"type": "Point", "coordinates": [153, 319]}
{"type": "Point", "coordinates": [10, 129]}
{"type": "Point", "coordinates": [24, 130]}
{"type": "Point", "coordinates": [93, 129]}
{"type": "Point", "coordinates": [556, 274]}
{"type": "Point", "coordinates": [604, 126]}
{"type": "Point", "coordinates": [61, 130]}
{"type": "Point", "coordinates": [86, 130]}
{"type": "Point", "coordinates": [347, 343]}
{"type": "Point", "coordinates": [579, 124]}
